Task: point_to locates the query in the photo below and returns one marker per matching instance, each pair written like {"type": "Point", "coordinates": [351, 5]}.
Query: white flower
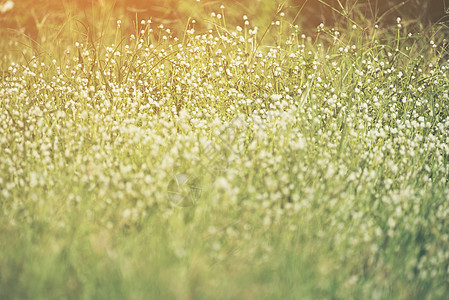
{"type": "Point", "coordinates": [7, 6]}
{"type": "Point", "coordinates": [276, 97]}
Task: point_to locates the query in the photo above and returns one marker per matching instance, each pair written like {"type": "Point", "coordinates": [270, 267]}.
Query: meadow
{"type": "Point", "coordinates": [225, 161]}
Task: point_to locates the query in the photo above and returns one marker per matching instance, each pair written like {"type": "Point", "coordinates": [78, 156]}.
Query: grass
{"type": "Point", "coordinates": [223, 165]}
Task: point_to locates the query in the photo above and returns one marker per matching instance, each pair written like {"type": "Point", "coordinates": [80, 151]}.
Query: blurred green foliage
{"type": "Point", "coordinates": [40, 20]}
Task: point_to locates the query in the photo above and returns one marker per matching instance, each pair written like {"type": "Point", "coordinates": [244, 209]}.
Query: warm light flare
{"type": "Point", "coordinates": [31, 16]}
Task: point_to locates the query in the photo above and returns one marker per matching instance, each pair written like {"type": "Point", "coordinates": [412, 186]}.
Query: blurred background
{"type": "Point", "coordinates": [39, 20]}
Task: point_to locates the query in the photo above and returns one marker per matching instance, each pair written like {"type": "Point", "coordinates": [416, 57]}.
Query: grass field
{"type": "Point", "coordinates": [229, 163]}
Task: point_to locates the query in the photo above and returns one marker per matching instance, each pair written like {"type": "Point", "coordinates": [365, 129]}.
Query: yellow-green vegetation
{"type": "Point", "coordinates": [227, 163]}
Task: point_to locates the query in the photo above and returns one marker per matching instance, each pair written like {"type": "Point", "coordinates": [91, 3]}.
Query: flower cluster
{"type": "Point", "coordinates": [343, 148]}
